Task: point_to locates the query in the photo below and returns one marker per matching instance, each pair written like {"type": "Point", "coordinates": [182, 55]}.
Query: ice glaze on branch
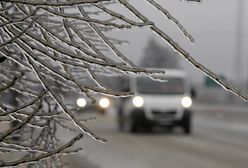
{"type": "Point", "coordinates": [173, 19]}
{"type": "Point", "coordinates": [42, 156]}
{"type": "Point", "coordinates": [185, 54]}
{"type": "Point", "coordinates": [54, 3]}
{"type": "Point", "coordinates": [57, 44]}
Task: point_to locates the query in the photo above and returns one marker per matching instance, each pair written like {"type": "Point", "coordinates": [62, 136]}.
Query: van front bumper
{"type": "Point", "coordinates": [139, 118]}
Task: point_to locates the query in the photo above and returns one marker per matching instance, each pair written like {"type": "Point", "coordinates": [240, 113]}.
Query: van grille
{"type": "Point", "coordinates": [165, 114]}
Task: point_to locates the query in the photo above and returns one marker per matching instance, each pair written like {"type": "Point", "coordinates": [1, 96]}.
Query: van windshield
{"type": "Point", "coordinates": [173, 85]}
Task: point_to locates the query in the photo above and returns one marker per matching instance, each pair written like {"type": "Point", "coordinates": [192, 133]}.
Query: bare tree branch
{"type": "Point", "coordinates": [61, 46]}
{"type": "Point", "coordinates": [42, 156]}
{"type": "Point", "coordinates": [54, 3]}
{"type": "Point", "coordinates": [186, 55]}
{"type": "Point", "coordinates": [173, 19]}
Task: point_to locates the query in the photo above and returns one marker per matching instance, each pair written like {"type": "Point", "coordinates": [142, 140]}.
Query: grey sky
{"type": "Point", "coordinates": [212, 23]}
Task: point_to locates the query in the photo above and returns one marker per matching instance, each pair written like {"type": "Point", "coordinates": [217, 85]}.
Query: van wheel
{"type": "Point", "coordinates": [186, 122]}
{"type": "Point", "coordinates": [129, 125]}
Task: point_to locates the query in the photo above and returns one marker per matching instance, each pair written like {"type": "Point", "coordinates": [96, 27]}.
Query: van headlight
{"type": "Point", "coordinates": [138, 101]}
{"type": "Point", "coordinates": [104, 102]}
{"type": "Point", "coordinates": [81, 102]}
{"type": "Point", "coordinates": [186, 102]}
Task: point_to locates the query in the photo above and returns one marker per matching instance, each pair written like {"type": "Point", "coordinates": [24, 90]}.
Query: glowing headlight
{"type": "Point", "coordinates": [104, 102]}
{"type": "Point", "coordinates": [81, 102]}
{"type": "Point", "coordinates": [138, 101]}
{"type": "Point", "coordinates": [186, 102]}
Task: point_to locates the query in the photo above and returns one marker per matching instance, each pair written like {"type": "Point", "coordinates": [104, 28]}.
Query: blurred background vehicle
{"type": "Point", "coordinates": [101, 105]}
{"type": "Point", "coordinates": [103, 102]}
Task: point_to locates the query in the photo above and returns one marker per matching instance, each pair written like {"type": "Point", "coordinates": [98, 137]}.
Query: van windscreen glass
{"type": "Point", "coordinates": [173, 85]}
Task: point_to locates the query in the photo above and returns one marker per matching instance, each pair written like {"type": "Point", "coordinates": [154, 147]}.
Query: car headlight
{"type": "Point", "coordinates": [104, 102]}
{"type": "Point", "coordinates": [186, 102]}
{"type": "Point", "coordinates": [81, 102]}
{"type": "Point", "coordinates": [138, 101]}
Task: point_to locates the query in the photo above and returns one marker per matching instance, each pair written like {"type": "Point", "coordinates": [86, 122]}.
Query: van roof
{"type": "Point", "coordinates": [175, 72]}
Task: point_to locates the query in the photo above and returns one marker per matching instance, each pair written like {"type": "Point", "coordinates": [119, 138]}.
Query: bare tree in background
{"type": "Point", "coordinates": [159, 56]}
{"type": "Point", "coordinates": [51, 46]}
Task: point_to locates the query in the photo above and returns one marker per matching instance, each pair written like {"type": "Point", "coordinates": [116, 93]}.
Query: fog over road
{"type": "Point", "coordinates": [219, 140]}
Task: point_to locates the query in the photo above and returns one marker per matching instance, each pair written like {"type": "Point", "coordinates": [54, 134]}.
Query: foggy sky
{"type": "Point", "coordinates": [212, 23]}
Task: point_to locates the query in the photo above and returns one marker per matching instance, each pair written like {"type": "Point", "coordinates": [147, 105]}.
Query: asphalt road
{"type": "Point", "coordinates": [219, 140]}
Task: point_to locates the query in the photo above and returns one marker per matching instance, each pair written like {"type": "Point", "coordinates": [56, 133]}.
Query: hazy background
{"type": "Point", "coordinates": [213, 24]}
{"type": "Point", "coordinates": [220, 129]}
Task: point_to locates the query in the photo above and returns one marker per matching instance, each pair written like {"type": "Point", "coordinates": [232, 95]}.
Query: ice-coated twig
{"type": "Point", "coordinates": [89, 43]}
{"type": "Point", "coordinates": [25, 105]}
{"type": "Point", "coordinates": [170, 17]}
{"type": "Point", "coordinates": [63, 106]}
{"type": "Point", "coordinates": [53, 2]}
{"type": "Point", "coordinates": [18, 35]}
{"type": "Point", "coordinates": [186, 54]}
{"type": "Point", "coordinates": [19, 20]}
{"type": "Point", "coordinates": [82, 86]}
{"type": "Point", "coordinates": [10, 84]}
{"type": "Point", "coordinates": [72, 45]}
{"type": "Point", "coordinates": [20, 147]}
{"type": "Point", "coordinates": [88, 19]}
{"type": "Point", "coordinates": [8, 55]}
{"type": "Point", "coordinates": [2, 9]}
{"type": "Point", "coordinates": [20, 125]}
{"type": "Point", "coordinates": [63, 49]}
{"type": "Point", "coordinates": [122, 17]}
{"type": "Point", "coordinates": [42, 156]}
{"type": "Point", "coordinates": [85, 88]}
{"type": "Point", "coordinates": [89, 60]}
{"type": "Point", "coordinates": [103, 37]}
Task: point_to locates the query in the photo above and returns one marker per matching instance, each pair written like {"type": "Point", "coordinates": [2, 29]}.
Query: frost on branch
{"type": "Point", "coordinates": [50, 47]}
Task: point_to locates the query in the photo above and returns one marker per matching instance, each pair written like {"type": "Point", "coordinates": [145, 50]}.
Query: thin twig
{"type": "Point", "coordinates": [42, 156]}
{"type": "Point", "coordinates": [186, 54]}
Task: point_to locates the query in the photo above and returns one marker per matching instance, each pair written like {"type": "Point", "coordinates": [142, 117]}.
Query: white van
{"type": "Point", "coordinates": [157, 103]}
